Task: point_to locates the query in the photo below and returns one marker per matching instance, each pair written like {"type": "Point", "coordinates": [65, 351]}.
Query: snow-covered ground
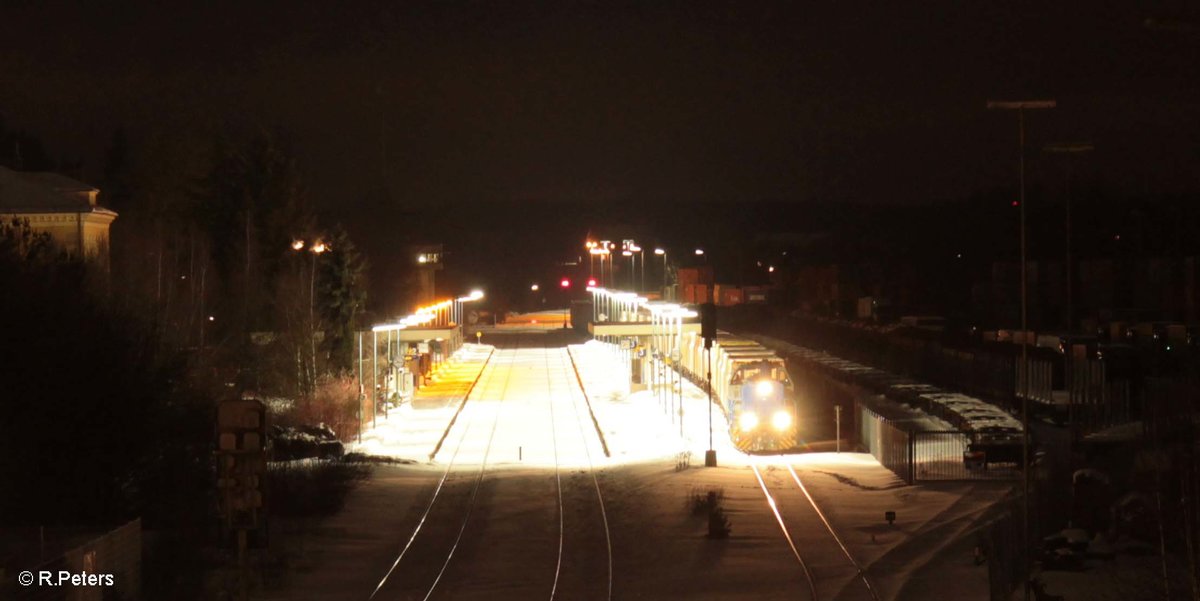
{"type": "Point", "coordinates": [642, 425]}
{"type": "Point", "coordinates": [528, 404]}
{"type": "Point", "coordinates": [526, 411]}
{"type": "Point", "coordinates": [413, 430]}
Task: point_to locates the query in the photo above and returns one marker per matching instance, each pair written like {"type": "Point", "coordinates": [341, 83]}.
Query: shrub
{"type": "Point", "coordinates": [333, 403]}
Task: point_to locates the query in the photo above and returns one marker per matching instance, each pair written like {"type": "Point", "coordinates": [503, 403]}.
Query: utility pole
{"type": "Point", "coordinates": [837, 420]}
{"type": "Point", "coordinates": [1021, 106]}
{"type": "Point", "coordinates": [1069, 150]}
{"type": "Point", "coordinates": [708, 329]}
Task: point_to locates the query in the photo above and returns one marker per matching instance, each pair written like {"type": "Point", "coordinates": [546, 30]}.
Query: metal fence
{"type": "Point", "coordinates": [887, 442]}
{"type": "Point", "coordinates": [118, 552]}
{"type": "Point", "coordinates": [940, 456]}
{"type": "Point", "coordinates": [922, 455]}
{"type": "Point", "coordinates": [1040, 382]}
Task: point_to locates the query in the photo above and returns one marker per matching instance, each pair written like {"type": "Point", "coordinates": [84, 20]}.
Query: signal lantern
{"type": "Point", "coordinates": [565, 283]}
{"type": "Point", "coordinates": [592, 283]}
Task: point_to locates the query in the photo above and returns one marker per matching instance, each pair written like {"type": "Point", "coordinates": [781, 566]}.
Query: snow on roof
{"type": "Point", "coordinates": [31, 192]}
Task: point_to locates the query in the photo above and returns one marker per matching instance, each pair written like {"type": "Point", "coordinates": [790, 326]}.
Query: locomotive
{"type": "Point", "coordinates": [751, 384]}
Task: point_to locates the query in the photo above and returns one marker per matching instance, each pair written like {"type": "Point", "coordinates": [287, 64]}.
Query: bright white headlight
{"type": "Point", "coordinates": [748, 421]}
{"type": "Point", "coordinates": [764, 388]}
{"type": "Point", "coordinates": [781, 420]}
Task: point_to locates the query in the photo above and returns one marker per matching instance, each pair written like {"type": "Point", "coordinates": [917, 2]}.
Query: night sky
{"type": "Point", "coordinates": [428, 104]}
{"type": "Point", "coordinates": [865, 102]}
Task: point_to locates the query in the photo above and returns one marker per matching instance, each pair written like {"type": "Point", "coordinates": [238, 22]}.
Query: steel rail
{"type": "Point", "coordinates": [592, 470]}
{"type": "Point", "coordinates": [862, 573]}
{"type": "Point", "coordinates": [557, 476]}
{"type": "Point", "coordinates": [478, 481]}
{"type": "Point", "coordinates": [812, 585]}
{"type": "Point", "coordinates": [441, 481]}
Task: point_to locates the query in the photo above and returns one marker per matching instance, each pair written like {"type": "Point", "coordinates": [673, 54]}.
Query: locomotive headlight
{"type": "Point", "coordinates": [748, 421]}
{"type": "Point", "coordinates": [764, 388]}
{"type": "Point", "coordinates": [782, 420]}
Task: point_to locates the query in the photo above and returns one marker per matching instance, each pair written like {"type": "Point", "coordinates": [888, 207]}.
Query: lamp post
{"type": "Point", "coordinates": [633, 269]}
{"type": "Point", "coordinates": [663, 253]}
{"type": "Point", "coordinates": [1069, 150]}
{"type": "Point", "coordinates": [604, 249]}
{"type": "Point", "coordinates": [317, 248]}
{"type": "Point", "coordinates": [1021, 106]}
{"type": "Point", "coordinates": [460, 301]}
{"type": "Point", "coordinates": [637, 249]}
{"type": "Point", "coordinates": [591, 246]}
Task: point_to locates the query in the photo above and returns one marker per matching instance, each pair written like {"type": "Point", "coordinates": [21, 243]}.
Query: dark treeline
{"type": "Point", "coordinates": [111, 378]}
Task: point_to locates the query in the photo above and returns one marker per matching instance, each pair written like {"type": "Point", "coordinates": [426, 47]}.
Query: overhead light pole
{"type": "Point", "coordinates": [637, 249]}
{"type": "Point", "coordinates": [633, 269]}
{"type": "Point", "coordinates": [1021, 106]}
{"type": "Point", "coordinates": [1069, 150]}
{"type": "Point", "coordinates": [663, 254]}
{"type": "Point", "coordinates": [591, 248]}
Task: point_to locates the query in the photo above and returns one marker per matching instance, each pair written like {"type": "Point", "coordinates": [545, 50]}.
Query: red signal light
{"type": "Point", "coordinates": [592, 283]}
{"type": "Point", "coordinates": [565, 283]}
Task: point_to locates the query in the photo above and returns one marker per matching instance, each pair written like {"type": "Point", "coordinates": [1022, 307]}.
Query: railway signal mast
{"type": "Point", "coordinates": [708, 329]}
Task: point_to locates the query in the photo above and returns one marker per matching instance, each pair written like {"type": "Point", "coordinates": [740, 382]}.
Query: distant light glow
{"type": "Point", "coordinates": [565, 283]}
{"type": "Point", "coordinates": [699, 251]}
{"type": "Point", "coordinates": [771, 269]}
{"type": "Point", "coordinates": [764, 387]}
{"type": "Point", "coordinates": [211, 318]}
{"type": "Point", "coordinates": [659, 251]}
{"type": "Point", "coordinates": [627, 253]}
{"type": "Point", "coordinates": [591, 282]}
{"type": "Point", "coordinates": [297, 244]}
{"type": "Point", "coordinates": [534, 287]}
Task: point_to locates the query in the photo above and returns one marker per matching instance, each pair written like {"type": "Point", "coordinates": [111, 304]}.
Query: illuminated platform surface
{"type": "Point", "coordinates": [413, 430]}
{"type": "Point", "coordinates": [529, 395]}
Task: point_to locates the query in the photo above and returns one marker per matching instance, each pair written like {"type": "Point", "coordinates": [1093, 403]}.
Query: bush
{"type": "Point", "coordinates": [333, 403]}
{"type": "Point", "coordinates": [311, 488]}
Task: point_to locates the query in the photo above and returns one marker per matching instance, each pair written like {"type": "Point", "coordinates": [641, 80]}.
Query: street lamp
{"type": "Point", "coordinates": [637, 249]}
{"type": "Point", "coordinates": [1069, 150]}
{"type": "Point", "coordinates": [632, 268]}
{"type": "Point", "coordinates": [457, 309]}
{"type": "Point", "coordinates": [1021, 106]}
{"type": "Point", "coordinates": [317, 248]}
{"type": "Point", "coordinates": [590, 246]}
{"type": "Point", "coordinates": [663, 253]}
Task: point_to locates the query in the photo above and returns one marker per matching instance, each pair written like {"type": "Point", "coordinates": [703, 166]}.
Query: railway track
{"type": "Point", "coordinates": [392, 584]}
{"type": "Point", "coordinates": [582, 430]}
{"type": "Point", "coordinates": [426, 562]}
{"type": "Point", "coordinates": [827, 579]}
